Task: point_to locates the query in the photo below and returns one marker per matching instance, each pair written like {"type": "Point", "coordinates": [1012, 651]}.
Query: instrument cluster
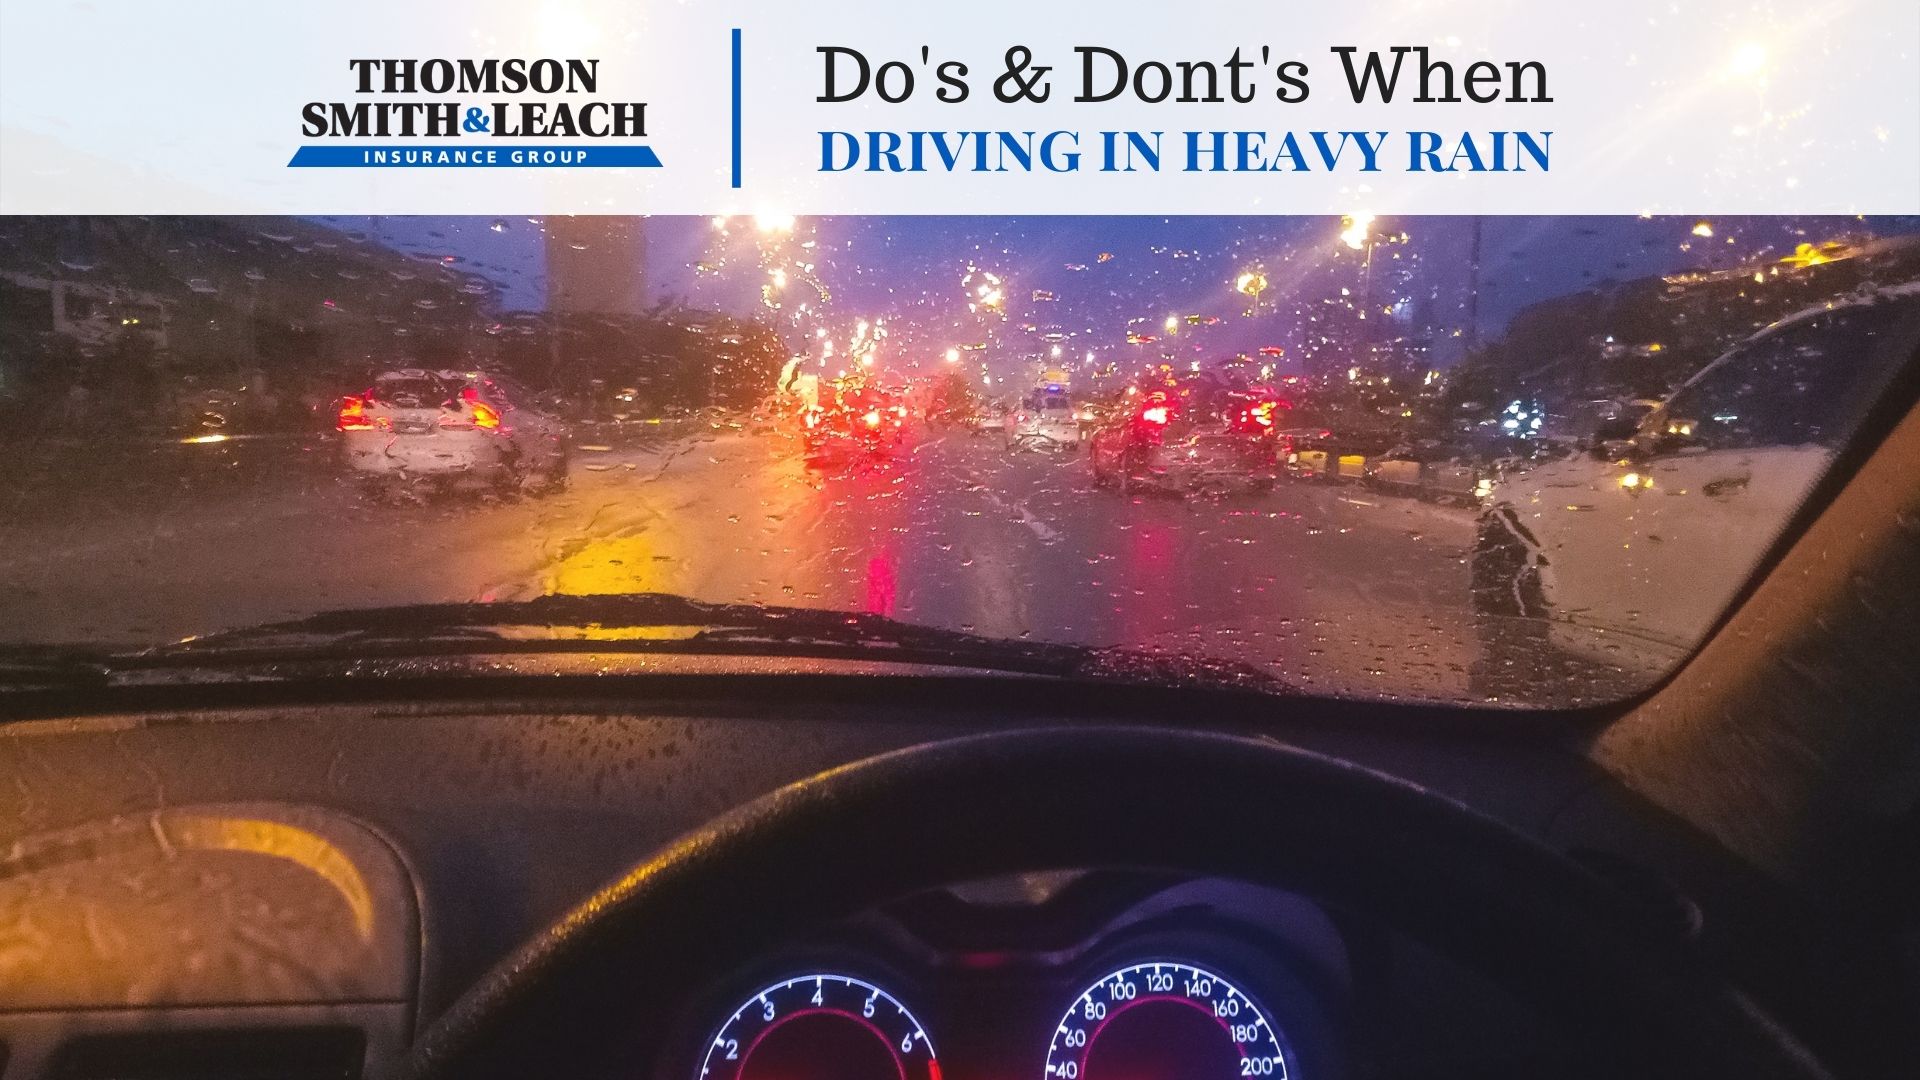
{"type": "Point", "coordinates": [1079, 977]}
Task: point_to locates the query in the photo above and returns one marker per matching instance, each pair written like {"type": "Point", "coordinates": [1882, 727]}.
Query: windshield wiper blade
{"type": "Point", "coordinates": [667, 623]}
{"type": "Point", "coordinates": [567, 618]}
{"type": "Point", "coordinates": [45, 667]}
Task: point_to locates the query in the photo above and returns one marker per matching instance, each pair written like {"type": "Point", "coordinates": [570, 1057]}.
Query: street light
{"type": "Point", "coordinates": [1355, 230]}
{"type": "Point", "coordinates": [1251, 283]}
{"type": "Point", "coordinates": [1357, 233]}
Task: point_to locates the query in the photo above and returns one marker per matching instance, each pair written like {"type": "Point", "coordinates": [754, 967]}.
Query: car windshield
{"type": "Point", "coordinates": [1526, 461]}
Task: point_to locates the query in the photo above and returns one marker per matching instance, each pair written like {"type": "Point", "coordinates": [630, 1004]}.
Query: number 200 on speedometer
{"type": "Point", "coordinates": [1164, 1021]}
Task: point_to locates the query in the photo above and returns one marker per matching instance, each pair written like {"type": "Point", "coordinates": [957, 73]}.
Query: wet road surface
{"type": "Point", "coordinates": [1333, 588]}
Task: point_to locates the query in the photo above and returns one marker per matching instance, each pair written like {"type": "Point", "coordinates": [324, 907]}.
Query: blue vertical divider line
{"type": "Point", "coordinates": [736, 106]}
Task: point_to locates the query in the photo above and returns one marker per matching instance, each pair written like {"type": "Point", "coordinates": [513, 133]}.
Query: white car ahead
{"type": "Point", "coordinates": [1044, 420]}
{"type": "Point", "coordinates": [455, 429]}
{"type": "Point", "coordinates": [1631, 560]}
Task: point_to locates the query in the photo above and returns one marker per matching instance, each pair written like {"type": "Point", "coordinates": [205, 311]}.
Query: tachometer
{"type": "Point", "coordinates": [829, 1027]}
{"type": "Point", "coordinates": [1164, 1021]}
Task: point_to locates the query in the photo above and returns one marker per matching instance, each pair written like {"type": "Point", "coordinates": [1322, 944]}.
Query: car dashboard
{"type": "Point", "coordinates": [301, 891]}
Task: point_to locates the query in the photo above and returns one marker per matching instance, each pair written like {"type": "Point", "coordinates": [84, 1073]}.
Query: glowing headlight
{"type": "Point", "coordinates": [1634, 483]}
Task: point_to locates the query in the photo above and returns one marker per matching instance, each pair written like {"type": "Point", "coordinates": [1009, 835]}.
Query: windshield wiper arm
{"type": "Point", "coordinates": [637, 622]}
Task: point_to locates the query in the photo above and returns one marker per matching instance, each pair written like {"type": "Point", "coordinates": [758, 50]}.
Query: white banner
{"type": "Point", "coordinates": [510, 107]}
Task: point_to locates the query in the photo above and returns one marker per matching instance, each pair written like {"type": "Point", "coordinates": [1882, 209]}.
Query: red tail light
{"type": "Point", "coordinates": [353, 415]}
{"type": "Point", "coordinates": [1262, 414]}
{"type": "Point", "coordinates": [1156, 415]}
{"type": "Point", "coordinates": [872, 418]}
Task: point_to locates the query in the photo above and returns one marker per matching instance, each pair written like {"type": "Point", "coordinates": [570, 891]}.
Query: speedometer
{"type": "Point", "coordinates": [820, 1027]}
{"type": "Point", "coordinates": [1164, 1021]}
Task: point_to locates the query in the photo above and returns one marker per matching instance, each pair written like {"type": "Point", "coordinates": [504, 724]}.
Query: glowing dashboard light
{"type": "Point", "coordinates": [1189, 1014]}
{"type": "Point", "coordinates": [822, 1024]}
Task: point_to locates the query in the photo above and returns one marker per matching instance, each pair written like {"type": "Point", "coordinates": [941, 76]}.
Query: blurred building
{"type": "Point", "coordinates": [596, 265]}
{"type": "Point", "coordinates": [221, 301]}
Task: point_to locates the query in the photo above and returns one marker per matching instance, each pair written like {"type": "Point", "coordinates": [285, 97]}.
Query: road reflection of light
{"type": "Point", "coordinates": [882, 582]}
{"type": "Point", "coordinates": [1146, 602]}
{"type": "Point", "coordinates": [597, 632]}
{"type": "Point", "coordinates": [857, 506]}
{"type": "Point", "coordinates": [617, 564]}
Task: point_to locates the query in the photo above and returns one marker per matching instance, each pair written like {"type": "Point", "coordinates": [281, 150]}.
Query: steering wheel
{"type": "Point", "coordinates": [572, 1002]}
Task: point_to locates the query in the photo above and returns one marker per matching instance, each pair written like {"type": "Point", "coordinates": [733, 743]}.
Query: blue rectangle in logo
{"type": "Point", "coordinates": [480, 157]}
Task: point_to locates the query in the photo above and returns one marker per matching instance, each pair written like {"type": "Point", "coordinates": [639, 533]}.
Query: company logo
{"type": "Point", "coordinates": [497, 112]}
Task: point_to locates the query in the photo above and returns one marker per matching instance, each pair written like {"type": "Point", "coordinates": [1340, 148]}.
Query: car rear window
{"type": "Point", "coordinates": [412, 393]}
